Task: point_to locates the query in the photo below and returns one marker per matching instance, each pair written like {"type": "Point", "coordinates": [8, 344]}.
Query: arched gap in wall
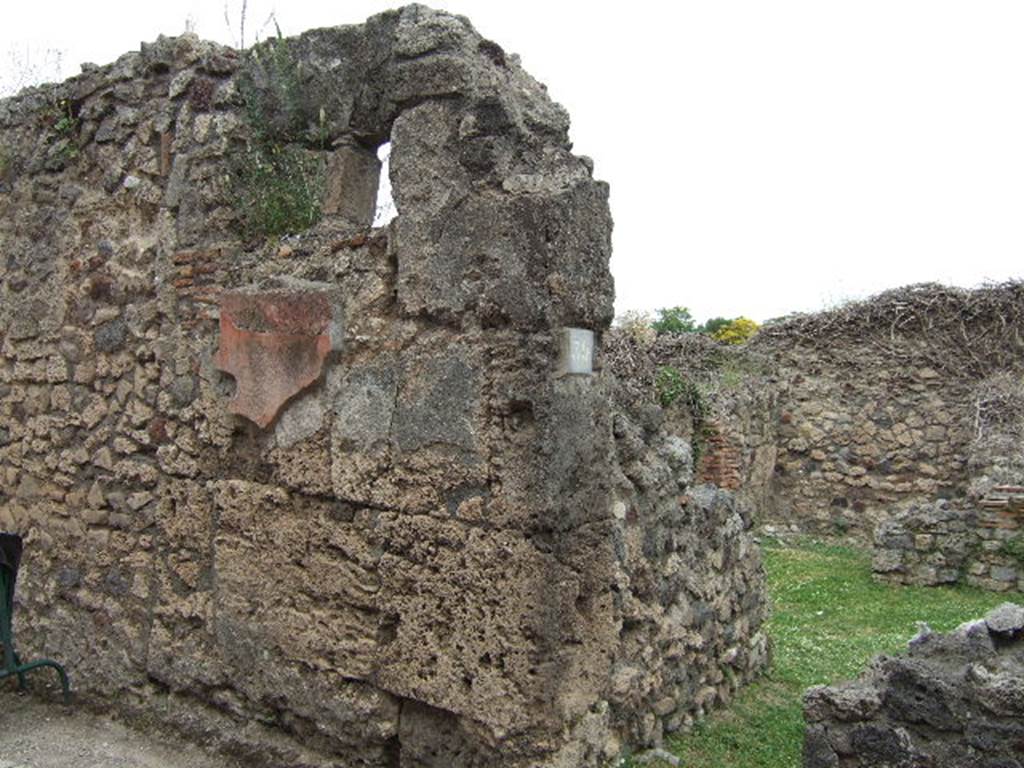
{"type": "Point", "coordinates": [385, 210]}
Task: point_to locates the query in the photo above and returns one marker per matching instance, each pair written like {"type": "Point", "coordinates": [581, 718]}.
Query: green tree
{"type": "Point", "coordinates": [674, 320]}
{"type": "Point", "coordinates": [712, 326]}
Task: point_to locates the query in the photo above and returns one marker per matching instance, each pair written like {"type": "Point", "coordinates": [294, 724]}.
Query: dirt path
{"type": "Point", "coordinates": [43, 734]}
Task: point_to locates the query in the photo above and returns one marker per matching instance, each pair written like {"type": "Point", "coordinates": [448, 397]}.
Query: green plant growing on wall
{"type": "Point", "coordinates": [276, 103]}
{"type": "Point", "coordinates": [277, 189]}
{"type": "Point", "coordinates": [670, 385]}
{"type": "Point", "coordinates": [1015, 548]}
{"type": "Point", "coordinates": [673, 388]}
{"type": "Point", "coordinates": [713, 324]}
{"type": "Point", "coordinates": [278, 178]}
{"type": "Point", "coordinates": [61, 125]}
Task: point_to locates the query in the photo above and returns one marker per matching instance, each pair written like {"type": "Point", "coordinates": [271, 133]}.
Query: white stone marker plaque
{"type": "Point", "coordinates": [577, 352]}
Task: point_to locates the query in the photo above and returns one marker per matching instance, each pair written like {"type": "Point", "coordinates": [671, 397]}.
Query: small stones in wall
{"type": "Point", "coordinates": [944, 542]}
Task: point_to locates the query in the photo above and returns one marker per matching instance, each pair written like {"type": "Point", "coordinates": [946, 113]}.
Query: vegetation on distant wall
{"type": "Point", "coordinates": [674, 388]}
{"type": "Point", "coordinates": [735, 331]}
{"type": "Point", "coordinates": [677, 320]}
{"type": "Point", "coordinates": [674, 320]}
{"type": "Point", "coordinates": [714, 325]}
{"type": "Point", "coordinates": [60, 124]}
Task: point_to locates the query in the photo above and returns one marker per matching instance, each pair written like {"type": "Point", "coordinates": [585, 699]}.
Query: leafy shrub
{"type": "Point", "coordinates": [278, 179]}
{"type": "Point", "coordinates": [672, 387]}
{"type": "Point", "coordinates": [277, 189]}
{"type": "Point", "coordinates": [736, 331]}
{"type": "Point", "coordinates": [674, 320]}
{"type": "Point", "coordinates": [712, 325]}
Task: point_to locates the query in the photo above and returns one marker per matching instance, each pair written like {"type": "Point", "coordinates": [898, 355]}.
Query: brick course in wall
{"type": "Point", "coordinates": [721, 462]}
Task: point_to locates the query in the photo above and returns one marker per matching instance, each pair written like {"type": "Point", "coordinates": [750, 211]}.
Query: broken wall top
{"type": "Point", "coordinates": [482, 175]}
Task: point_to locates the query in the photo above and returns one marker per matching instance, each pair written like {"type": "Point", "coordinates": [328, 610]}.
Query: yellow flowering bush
{"type": "Point", "coordinates": [736, 331]}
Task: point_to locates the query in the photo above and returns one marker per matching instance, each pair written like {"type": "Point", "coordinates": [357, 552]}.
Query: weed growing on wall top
{"type": "Point", "coordinates": [275, 101]}
{"type": "Point", "coordinates": [61, 124]}
{"type": "Point", "coordinates": [278, 179]}
{"type": "Point", "coordinates": [672, 387]}
{"type": "Point", "coordinates": [278, 189]}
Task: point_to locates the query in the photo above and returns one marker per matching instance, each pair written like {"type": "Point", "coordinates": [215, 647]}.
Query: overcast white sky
{"type": "Point", "coordinates": [765, 156]}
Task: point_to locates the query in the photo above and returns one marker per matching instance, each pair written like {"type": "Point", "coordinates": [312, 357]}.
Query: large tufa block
{"type": "Point", "coordinates": [353, 175]}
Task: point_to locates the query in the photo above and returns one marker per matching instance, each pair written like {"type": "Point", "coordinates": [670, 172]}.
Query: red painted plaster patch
{"type": "Point", "coordinates": [274, 343]}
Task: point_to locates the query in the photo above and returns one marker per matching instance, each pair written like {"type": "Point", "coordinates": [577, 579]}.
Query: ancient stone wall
{"type": "Point", "coordinates": [323, 495]}
{"type": "Point", "coordinates": [835, 422]}
{"type": "Point", "coordinates": [693, 628]}
{"type": "Point", "coordinates": [952, 701]}
{"type": "Point", "coordinates": [882, 402]}
{"type": "Point", "coordinates": [721, 400]}
{"type": "Point", "coordinates": [980, 542]}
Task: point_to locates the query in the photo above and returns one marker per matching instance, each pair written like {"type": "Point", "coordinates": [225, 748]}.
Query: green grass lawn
{"type": "Point", "coordinates": [829, 618]}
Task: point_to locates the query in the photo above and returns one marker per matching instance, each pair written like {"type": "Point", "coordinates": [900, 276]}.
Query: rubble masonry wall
{"type": "Point", "coordinates": [426, 548]}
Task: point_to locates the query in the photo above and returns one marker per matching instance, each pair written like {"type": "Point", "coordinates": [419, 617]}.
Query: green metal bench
{"type": "Point", "coordinates": [10, 558]}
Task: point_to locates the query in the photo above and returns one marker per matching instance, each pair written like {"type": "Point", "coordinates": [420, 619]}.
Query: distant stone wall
{"type": "Point", "coordinates": [327, 498]}
{"type": "Point", "coordinates": [980, 543]}
{"type": "Point", "coordinates": [881, 402]}
{"type": "Point", "coordinates": [833, 423]}
{"type": "Point", "coordinates": [952, 701]}
{"type": "Point", "coordinates": [854, 444]}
